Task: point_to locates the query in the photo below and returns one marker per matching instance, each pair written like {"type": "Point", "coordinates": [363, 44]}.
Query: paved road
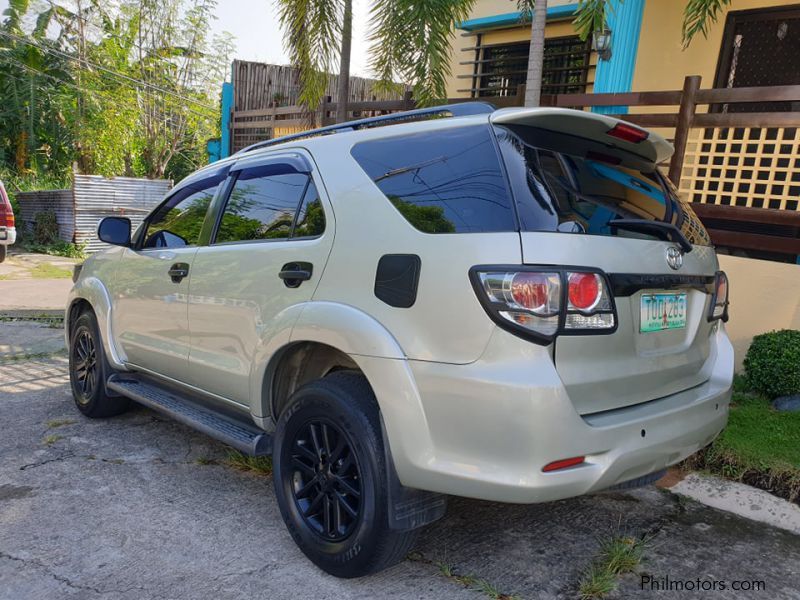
{"type": "Point", "coordinates": [126, 508]}
{"type": "Point", "coordinates": [22, 288]}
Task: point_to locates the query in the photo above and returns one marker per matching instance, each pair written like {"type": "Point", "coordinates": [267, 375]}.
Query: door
{"type": "Point", "coordinates": [150, 320]}
{"type": "Point", "coordinates": [267, 254]}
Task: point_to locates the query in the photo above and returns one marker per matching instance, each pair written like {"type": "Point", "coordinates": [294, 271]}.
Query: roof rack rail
{"type": "Point", "coordinates": [460, 109]}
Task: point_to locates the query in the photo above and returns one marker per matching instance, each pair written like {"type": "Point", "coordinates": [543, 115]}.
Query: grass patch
{"type": "Point", "coordinates": [53, 423]}
{"type": "Point", "coordinates": [48, 271]}
{"type": "Point", "coordinates": [617, 556]}
{"type": "Point", "coordinates": [260, 465]}
{"type": "Point", "coordinates": [759, 447]}
{"type": "Point", "coordinates": [204, 460]}
{"type": "Point", "coordinates": [51, 439]}
{"type": "Point", "coordinates": [471, 582]}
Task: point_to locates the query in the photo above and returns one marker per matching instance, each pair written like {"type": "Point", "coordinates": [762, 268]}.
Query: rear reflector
{"type": "Point", "coordinates": [563, 464]}
{"type": "Point", "coordinates": [628, 133]}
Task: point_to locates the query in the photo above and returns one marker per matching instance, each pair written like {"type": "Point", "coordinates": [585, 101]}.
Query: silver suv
{"type": "Point", "coordinates": [511, 305]}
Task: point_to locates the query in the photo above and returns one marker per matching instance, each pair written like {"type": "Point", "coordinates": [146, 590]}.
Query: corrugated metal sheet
{"type": "Point", "coordinates": [57, 201]}
{"type": "Point", "coordinates": [92, 197]}
{"type": "Point", "coordinates": [96, 197]}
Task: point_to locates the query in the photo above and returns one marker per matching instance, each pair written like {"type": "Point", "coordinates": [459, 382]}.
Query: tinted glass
{"type": "Point", "coordinates": [311, 218]}
{"type": "Point", "coordinates": [564, 183]}
{"type": "Point", "coordinates": [262, 204]}
{"type": "Point", "coordinates": [442, 182]}
{"type": "Point", "coordinates": [178, 222]}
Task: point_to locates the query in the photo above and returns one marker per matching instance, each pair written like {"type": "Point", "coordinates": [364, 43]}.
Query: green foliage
{"type": "Point", "coordinates": [57, 248]}
{"type": "Point", "coordinates": [126, 88]}
{"type": "Point", "coordinates": [697, 15]}
{"type": "Point", "coordinates": [45, 228]}
{"type": "Point", "coordinates": [429, 219]}
{"type": "Point", "coordinates": [618, 555]}
{"type": "Point", "coordinates": [772, 363]}
{"type": "Point", "coordinates": [760, 446]}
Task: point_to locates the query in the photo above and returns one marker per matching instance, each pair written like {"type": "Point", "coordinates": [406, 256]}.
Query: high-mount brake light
{"type": "Point", "coordinates": [628, 133]}
{"type": "Point", "coordinates": [539, 303]}
{"type": "Point", "coordinates": [719, 300]}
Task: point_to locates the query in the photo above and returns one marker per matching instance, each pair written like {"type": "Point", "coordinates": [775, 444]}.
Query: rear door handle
{"type": "Point", "coordinates": [295, 273]}
{"type": "Point", "coordinates": [178, 271]}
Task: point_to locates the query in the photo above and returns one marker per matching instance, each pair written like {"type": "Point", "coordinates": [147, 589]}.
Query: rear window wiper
{"type": "Point", "coordinates": [644, 225]}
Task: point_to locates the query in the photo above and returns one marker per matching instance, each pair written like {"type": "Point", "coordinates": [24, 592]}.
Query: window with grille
{"type": "Point", "coordinates": [500, 69]}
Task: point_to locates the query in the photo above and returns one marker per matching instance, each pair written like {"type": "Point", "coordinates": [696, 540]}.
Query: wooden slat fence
{"type": "Point", "coordinates": [741, 169]}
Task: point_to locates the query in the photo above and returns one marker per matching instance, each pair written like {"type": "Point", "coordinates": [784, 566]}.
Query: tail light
{"type": "Point", "coordinates": [539, 303]}
{"type": "Point", "coordinates": [719, 300]}
{"type": "Point", "coordinates": [6, 213]}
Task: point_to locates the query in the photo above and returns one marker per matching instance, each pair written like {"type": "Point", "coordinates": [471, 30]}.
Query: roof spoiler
{"type": "Point", "coordinates": [612, 133]}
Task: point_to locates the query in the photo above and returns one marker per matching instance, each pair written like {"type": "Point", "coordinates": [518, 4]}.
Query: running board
{"type": "Point", "coordinates": [249, 440]}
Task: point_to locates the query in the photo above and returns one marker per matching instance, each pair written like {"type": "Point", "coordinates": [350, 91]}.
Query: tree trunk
{"type": "Point", "coordinates": [533, 85]}
{"type": "Point", "coordinates": [343, 88]}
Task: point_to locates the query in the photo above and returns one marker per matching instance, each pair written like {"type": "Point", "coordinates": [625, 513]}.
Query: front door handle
{"type": "Point", "coordinates": [295, 273]}
{"type": "Point", "coordinates": [178, 271]}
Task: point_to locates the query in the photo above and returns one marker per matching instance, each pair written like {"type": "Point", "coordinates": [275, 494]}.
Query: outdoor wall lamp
{"type": "Point", "coordinates": [601, 43]}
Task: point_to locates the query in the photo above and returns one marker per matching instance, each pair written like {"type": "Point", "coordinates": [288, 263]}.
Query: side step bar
{"type": "Point", "coordinates": [249, 440]}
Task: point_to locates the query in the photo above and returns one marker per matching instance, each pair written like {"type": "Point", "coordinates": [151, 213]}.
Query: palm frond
{"type": "Point", "coordinates": [312, 37]}
{"type": "Point", "coordinates": [698, 15]}
{"type": "Point", "coordinates": [591, 16]}
{"type": "Point", "coordinates": [411, 39]}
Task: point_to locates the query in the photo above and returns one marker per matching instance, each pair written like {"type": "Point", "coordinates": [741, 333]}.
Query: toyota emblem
{"type": "Point", "coordinates": [674, 257]}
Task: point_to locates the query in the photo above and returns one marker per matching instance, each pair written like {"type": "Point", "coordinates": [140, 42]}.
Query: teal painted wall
{"type": "Point", "coordinates": [616, 74]}
{"type": "Point", "coordinates": [225, 124]}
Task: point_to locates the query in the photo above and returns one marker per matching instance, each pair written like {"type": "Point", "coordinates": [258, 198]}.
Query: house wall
{"type": "Point", "coordinates": [662, 64]}
{"type": "Point", "coordinates": [764, 295]}
{"type": "Point", "coordinates": [517, 33]}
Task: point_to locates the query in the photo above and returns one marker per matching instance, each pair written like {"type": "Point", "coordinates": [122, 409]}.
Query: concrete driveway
{"type": "Point", "coordinates": [34, 282]}
{"type": "Point", "coordinates": [140, 507]}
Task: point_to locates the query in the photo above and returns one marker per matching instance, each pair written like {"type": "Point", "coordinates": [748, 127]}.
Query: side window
{"type": "Point", "coordinates": [447, 181]}
{"type": "Point", "coordinates": [311, 217]}
{"type": "Point", "coordinates": [262, 204]}
{"type": "Point", "coordinates": [178, 221]}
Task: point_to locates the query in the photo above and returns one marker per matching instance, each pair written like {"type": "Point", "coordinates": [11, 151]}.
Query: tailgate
{"type": "Point", "coordinates": [589, 194]}
{"type": "Point", "coordinates": [603, 372]}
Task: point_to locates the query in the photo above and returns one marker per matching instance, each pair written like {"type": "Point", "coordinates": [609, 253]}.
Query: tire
{"type": "Point", "coordinates": [3, 250]}
{"type": "Point", "coordinates": [341, 411]}
{"type": "Point", "coordinates": [89, 370]}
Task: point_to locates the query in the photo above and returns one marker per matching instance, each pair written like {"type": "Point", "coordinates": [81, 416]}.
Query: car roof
{"type": "Point", "coordinates": [656, 149]}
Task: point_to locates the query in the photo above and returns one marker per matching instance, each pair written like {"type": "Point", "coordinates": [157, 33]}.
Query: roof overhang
{"type": "Point", "coordinates": [513, 19]}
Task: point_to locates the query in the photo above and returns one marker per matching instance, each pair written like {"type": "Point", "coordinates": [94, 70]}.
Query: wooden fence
{"type": "Point", "coordinates": [740, 169]}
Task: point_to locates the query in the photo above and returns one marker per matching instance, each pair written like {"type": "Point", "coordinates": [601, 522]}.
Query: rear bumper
{"type": "Point", "coordinates": [490, 427]}
{"type": "Point", "coordinates": [8, 235]}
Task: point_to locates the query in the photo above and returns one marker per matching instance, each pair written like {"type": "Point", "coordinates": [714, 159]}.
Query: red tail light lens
{"type": "Point", "coordinates": [719, 301]}
{"type": "Point", "coordinates": [584, 290]}
{"type": "Point", "coordinates": [540, 303]}
{"type": "Point", "coordinates": [529, 290]}
{"type": "Point", "coordinates": [628, 133]}
{"type": "Point", "coordinates": [6, 213]}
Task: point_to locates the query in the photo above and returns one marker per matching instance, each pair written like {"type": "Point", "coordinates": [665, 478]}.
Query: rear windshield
{"type": "Point", "coordinates": [446, 181]}
{"type": "Point", "coordinates": [568, 184]}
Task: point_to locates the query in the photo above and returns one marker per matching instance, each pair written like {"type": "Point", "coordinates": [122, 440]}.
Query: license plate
{"type": "Point", "coordinates": [662, 311]}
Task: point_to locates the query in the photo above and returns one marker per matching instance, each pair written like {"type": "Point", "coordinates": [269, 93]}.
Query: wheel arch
{"type": "Point", "coordinates": [90, 293]}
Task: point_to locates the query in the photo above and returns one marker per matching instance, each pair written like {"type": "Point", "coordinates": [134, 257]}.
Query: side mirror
{"type": "Point", "coordinates": [115, 230]}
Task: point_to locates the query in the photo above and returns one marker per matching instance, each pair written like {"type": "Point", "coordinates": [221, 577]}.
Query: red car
{"type": "Point", "coordinates": [8, 233]}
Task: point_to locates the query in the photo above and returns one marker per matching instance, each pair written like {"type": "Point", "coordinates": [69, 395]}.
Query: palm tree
{"type": "Point", "coordinates": [409, 40]}
{"type": "Point", "coordinates": [591, 17]}
{"type": "Point", "coordinates": [533, 83]}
